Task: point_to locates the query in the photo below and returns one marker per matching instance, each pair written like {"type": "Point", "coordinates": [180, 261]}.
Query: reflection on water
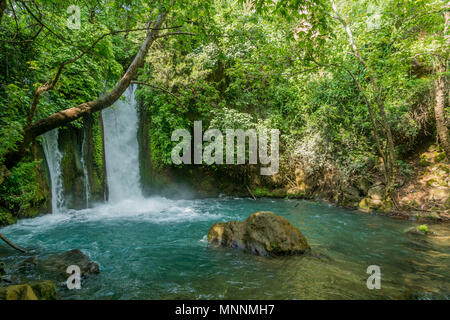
{"type": "Point", "coordinates": [155, 249]}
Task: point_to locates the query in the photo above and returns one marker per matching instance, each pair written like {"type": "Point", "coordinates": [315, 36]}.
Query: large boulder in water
{"type": "Point", "coordinates": [263, 233]}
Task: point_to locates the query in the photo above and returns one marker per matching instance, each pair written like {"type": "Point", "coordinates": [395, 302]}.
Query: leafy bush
{"type": "Point", "coordinates": [20, 192]}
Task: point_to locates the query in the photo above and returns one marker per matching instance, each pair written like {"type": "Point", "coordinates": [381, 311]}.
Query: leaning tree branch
{"type": "Point", "coordinates": [12, 244]}
{"type": "Point", "coordinates": [68, 115]}
{"type": "Point", "coordinates": [51, 84]}
{"type": "Point", "coordinates": [168, 34]}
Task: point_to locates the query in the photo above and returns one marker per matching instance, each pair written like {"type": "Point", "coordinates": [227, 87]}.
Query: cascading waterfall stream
{"type": "Point", "coordinates": [53, 156]}
{"type": "Point", "coordinates": [85, 171]}
{"type": "Point", "coordinates": [122, 149]}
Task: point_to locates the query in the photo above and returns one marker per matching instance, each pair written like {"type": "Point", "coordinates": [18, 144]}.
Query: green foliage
{"type": "Point", "coordinates": [6, 218]}
{"type": "Point", "coordinates": [423, 228]}
{"type": "Point", "coordinates": [20, 191]}
{"type": "Point", "coordinates": [267, 68]}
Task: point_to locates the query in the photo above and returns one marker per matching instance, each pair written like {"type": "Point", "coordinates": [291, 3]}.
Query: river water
{"type": "Point", "coordinates": [156, 249]}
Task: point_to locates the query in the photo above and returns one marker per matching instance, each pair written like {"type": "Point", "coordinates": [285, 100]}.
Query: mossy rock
{"type": "Point", "coordinates": [350, 197]}
{"type": "Point", "coordinates": [275, 193]}
{"type": "Point", "coordinates": [44, 290]}
{"type": "Point", "coordinates": [18, 292]}
{"type": "Point", "coordinates": [6, 218]}
{"type": "Point", "coordinates": [424, 161]}
{"type": "Point", "coordinates": [447, 203]}
{"type": "Point", "coordinates": [386, 207]}
{"type": "Point", "coordinates": [364, 204]}
{"type": "Point", "coordinates": [368, 204]}
{"type": "Point", "coordinates": [263, 233]}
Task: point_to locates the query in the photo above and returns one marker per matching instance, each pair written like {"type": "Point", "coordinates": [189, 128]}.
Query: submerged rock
{"type": "Point", "coordinates": [263, 233]}
{"type": "Point", "coordinates": [44, 290]}
{"type": "Point", "coordinates": [58, 263]}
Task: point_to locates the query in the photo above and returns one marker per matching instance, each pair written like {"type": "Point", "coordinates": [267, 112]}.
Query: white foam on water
{"type": "Point", "coordinates": [151, 210]}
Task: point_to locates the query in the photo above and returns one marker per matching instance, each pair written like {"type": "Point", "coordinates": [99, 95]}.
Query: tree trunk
{"type": "Point", "coordinates": [440, 87]}
{"type": "Point", "coordinates": [66, 116]}
{"type": "Point", "coordinates": [389, 155]}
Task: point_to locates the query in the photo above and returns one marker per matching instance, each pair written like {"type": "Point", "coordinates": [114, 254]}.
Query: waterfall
{"type": "Point", "coordinates": [122, 149]}
{"type": "Point", "coordinates": [85, 171]}
{"type": "Point", "coordinates": [53, 156]}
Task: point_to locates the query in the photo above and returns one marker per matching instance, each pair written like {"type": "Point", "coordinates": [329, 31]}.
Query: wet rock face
{"type": "Point", "coordinates": [263, 233]}
{"type": "Point", "coordinates": [52, 267]}
{"type": "Point", "coordinates": [44, 290]}
{"type": "Point", "coordinates": [375, 200]}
